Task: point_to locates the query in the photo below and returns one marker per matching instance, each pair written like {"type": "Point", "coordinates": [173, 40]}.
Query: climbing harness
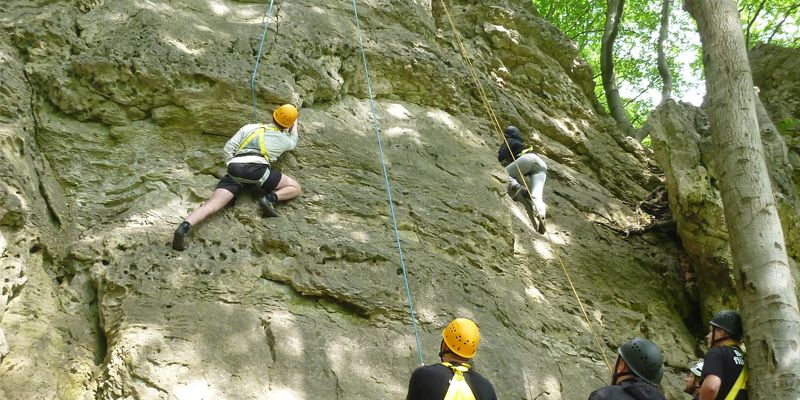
{"type": "Point", "coordinates": [259, 132]}
{"type": "Point", "coordinates": [258, 59]}
{"type": "Point", "coordinates": [740, 384]}
{"type": "Point", "coordinates": [386, 181]}
{"type": "Point", "coordinates": [496, 124]}
{"type": "Point", "coordinates": [262, 150]}
{"type": "Point", "coordinates": [459, 389]}
{"type": "Point", "coordinates": [527, 150]}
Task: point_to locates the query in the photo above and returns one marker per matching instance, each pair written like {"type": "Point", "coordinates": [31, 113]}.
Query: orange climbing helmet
{"type": "Point", "coordinates": [462, 337]}
{"type": "Point", "coordinates": [285, 115]}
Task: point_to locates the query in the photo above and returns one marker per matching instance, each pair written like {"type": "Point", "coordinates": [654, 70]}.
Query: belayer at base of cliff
{"type": "Point", "coordinates": [637, 373]}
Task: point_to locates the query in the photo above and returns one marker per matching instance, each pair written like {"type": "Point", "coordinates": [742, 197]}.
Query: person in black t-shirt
{"type": "Point", "coordinates": [637, 373]}
{"type": "Point", "coordinates": [724, 362]}
{"type": "Point", "coordinates": [691, 383]}
{"type": "Point", "coordinates": [459, 344]}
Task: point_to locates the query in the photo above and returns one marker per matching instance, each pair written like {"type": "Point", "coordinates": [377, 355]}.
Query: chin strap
{"type": "Point", "coordinates": [714, 340]}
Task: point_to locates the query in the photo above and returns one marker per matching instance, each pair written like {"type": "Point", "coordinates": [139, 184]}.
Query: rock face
{"type": "Point", "coordinates": [776, 71]}
{"type": "Point", "coordinates": [683, 148]}
{"type": "Point", "coordinates": [112, 119]}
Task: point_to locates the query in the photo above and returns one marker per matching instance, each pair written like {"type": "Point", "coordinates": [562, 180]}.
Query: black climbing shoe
{"type": "Point", "coordinates": [267, 206]}
{"type": "Point", "coordinates": [179, 238]}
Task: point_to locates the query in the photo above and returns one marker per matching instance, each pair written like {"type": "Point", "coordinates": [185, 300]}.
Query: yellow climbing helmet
{"type": "Point", "coordinates": [285, 115]}
{"type": "Point", "coordinates": [462, 337]}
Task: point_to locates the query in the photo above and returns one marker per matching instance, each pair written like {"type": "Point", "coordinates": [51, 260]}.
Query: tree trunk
{"type": "Point", "coordinates": [763, 278]}
{"type": "Point", "coordinates": [613, 17]}
{"type": "Point", "coordinates": [663, 67]}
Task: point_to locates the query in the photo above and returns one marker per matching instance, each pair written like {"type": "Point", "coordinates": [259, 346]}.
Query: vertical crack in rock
{"type": "Point", "coordinates": [101, 346]}
{"type": "Point", "coordinates": [270, 336]}
{"type": "Point", "coordinates": [54, 218]}
{"type": "Point", "coordinates": [339, 391]}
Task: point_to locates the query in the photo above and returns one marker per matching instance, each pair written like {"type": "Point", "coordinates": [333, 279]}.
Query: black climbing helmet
{"type": "Point", "coordinates": [729, 321]}
{"type": "Point", "coordinates": [644, 359]}
{"type": "Point", "coordinates": [512, 132]}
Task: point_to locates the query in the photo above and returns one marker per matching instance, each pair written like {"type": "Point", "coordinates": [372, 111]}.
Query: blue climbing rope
{"type": "Point", "coordinates": [386, 181]}
{"type": "Point", "coordinates": [258, 60]}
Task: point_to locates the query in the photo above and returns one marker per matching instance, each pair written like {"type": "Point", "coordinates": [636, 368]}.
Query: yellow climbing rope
{"type": "Point", "coordinates": [497, 126]}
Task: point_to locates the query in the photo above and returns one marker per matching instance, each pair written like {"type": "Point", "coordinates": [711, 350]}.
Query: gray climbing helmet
{"type": "Point", "coordinates": [644, 359]}
{"type": "Point", "coordinates": [512, 132]}
{"type": "Point", "coordinates": [729, 321]}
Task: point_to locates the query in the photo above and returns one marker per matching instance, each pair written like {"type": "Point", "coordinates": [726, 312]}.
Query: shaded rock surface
{"type": "Point", "coordinates": [776, 72]}
{"type": "Point", "coordinates": [682, 146]}
{"type": "Point", "coordinates": [684, 150]}
{"type": "Point", "coordinates": [112, 118]}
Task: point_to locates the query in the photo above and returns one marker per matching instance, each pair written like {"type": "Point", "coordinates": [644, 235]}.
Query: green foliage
{"type": "Point", "coordinates": [647, 142]}
{"type": "Point", "coordinates": [635, 48]}
{"type": "Point", "coordinates": [770, 21]}
{"type": "Point", "coordinates": [788, 125]}
{"type": "Point", "coordinates": [774, 21]}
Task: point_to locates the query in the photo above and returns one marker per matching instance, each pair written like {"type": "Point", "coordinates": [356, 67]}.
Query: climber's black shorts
{"type": "Point", "coordinates": [249, 171]}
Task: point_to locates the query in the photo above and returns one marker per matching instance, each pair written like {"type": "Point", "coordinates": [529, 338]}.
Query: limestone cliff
{"type": "Point", "coordinates": [112, 118]}
{"type": "Point", "coordinates": [683, 148]}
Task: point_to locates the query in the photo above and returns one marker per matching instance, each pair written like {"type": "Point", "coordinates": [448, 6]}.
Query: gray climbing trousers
{"type": "Point", "coordinates": [533, 168]}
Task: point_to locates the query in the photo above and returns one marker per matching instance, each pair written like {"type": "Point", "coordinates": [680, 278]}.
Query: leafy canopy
{"type": "Point", "coordinates": [768, 21]}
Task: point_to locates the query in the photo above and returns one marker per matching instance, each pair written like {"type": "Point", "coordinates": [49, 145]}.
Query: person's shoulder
{"type": "Point", "coordinates": [606, 392]}
{"type": "Point", "coordinates": [432, 369]}
{"type": "Point", "coordinates": [475, 376]}
{"type": "Point", "coordinates": [643, 390]}
{"type": "Point", "coordinates": [482, 387]}
{"type": "Point", "coordinates": [716, 352]}
{"type": "Point", "coordinates": [718, 349]}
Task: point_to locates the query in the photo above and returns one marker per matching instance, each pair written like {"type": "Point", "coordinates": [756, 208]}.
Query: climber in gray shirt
{"type": "Point", "coordinates": [249, 155]}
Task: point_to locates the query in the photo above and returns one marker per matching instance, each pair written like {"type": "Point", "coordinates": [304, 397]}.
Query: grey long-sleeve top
{"type": "Point", "coordinates": [276, 143]}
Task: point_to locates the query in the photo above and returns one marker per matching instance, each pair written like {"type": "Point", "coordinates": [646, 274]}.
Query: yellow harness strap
{"type": "Point", "coordinates": [260, 133]}
{"type": "Point", "coordinates": [741, 383]}
{"type": "Point", "coordinates": [459, 389]}
{"type": "Point", "coordinates": [529, 149]}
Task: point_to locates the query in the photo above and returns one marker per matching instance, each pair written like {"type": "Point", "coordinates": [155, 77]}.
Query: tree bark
{"type": "Point", "coordinates": [763, 277]}
{"type": "Point", "coordinates": [663, 67]}
{"type": "Point", "coordinates": [613, 17]}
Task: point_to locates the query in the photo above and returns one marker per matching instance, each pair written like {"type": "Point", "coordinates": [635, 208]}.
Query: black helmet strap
{"type": "Point", "coordinates": [714, 339]}
{"type": "Point", "coordinates": [444, 349]}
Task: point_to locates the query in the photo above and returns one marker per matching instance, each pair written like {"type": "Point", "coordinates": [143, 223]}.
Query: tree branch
{"type": "Point", "coordinates": [614, 9]}
{"type": "Point", "coordinates": [663, 67]}
{"type": "Point", "coordinates": [789, 12]}
{"type": "Point", "coordinates": [750, 23]}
